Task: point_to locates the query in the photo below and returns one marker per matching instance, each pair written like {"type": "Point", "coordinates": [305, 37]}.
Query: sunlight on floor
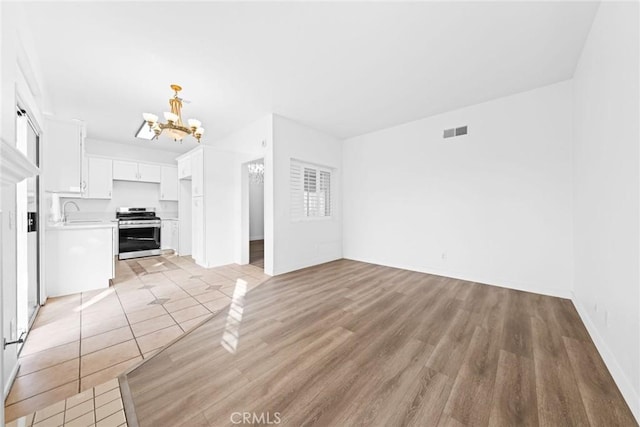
{"type": "Point", "coordinates": [231, 335]}
{"type": "Point", "coordinates": [95, 299]}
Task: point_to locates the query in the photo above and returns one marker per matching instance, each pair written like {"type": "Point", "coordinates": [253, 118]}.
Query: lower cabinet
{"type": "Point", "coordinates": [169, 235]}
{"type": "Point", "coordinates": [78, 259]}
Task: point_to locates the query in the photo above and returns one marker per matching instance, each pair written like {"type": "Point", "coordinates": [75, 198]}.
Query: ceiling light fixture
{"type": "Point", "coordinates": [174, 127]}
{"type": "Point", "coordinates": [256, 172]}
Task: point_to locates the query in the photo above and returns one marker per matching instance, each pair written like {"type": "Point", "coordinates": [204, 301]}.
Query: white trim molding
{"type": "Point", "coordinates": [14, 165]}
{"type": "Point", "coordinates": [622, 381]}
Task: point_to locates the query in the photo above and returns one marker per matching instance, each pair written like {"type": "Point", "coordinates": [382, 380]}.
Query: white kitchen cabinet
{"type": "Point", "coordinates": [168, 183]}
{"type": "Point", "coordinates": [198, 227]}
{"type": "Point", "coordinates": [165, 235]}
{"type": "Point", "coordinates": [184, 168]}
{"type": "Point", "coordinates": [148, 173]}
{"type": "Point", "coordinates": [78, 259]}
{"type": "Point", "coordinates": [132, 171]}
{"type": "Point", "coordinates": [63, 155]}
{"type": "Point", "coordinates": [99, 178]}
{"type": "Point", "coordinates": [197, 173]}
{"type": "Point", "coordinates": [125, 171]}
{"type": "Point", "coordinates": [169, 234]}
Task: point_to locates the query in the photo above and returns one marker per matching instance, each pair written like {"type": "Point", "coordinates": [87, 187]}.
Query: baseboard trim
{"type": "Point", "coordinates": [625, 385]}
{"type": "Point", "coordinates": [252, 238]}
{"type": "Point", "coordinates": [559, 293]}
{"type": "Point", "coordinates": [11, 379]}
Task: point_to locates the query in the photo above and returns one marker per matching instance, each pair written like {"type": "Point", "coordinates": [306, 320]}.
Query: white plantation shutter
{"type": "Point", "coordinates": [297, 195]}
{"type": "Point", "coordinates": [324, 194]}
{"type": "Point", "coordinates": [310, 191]}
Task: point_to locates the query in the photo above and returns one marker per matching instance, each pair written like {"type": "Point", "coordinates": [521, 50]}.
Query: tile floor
{"type": "Point", "coordinates": [82, 340]}
{"type": "Point", "coordinates": [100, 406]}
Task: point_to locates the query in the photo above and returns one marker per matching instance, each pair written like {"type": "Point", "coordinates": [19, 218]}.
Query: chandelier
{"type": "Point", "coordinates": [256, 173]}
{"type": "Point", "coordinates": [174, 127]}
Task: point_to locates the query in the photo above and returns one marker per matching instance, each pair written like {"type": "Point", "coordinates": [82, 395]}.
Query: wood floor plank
{"type": "Point", "coordinates": [514, 402]}
{"type": "Point", "coordinates": [349, 343]}
{"type": "Point", "coordinates": [602, 399]}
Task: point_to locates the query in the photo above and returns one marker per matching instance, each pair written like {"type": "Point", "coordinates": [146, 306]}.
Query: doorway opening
{"type": "Point", "coordinates": [256, 212]}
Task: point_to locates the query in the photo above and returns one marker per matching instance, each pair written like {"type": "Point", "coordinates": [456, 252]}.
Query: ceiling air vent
{"type": "Point", "coordinates": [450, 133]}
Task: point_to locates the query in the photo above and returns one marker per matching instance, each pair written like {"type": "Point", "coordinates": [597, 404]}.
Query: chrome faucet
{"type": "Point", "coordinates": [64, 209]}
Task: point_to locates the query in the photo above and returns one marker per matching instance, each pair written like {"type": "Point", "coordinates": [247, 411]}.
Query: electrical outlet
{"type": "Point", "coordinates": [444, 256]}
{"type": "Point", "coordinates": [606, 318]}
{"type": "Point", "coordinates": [595, 307]}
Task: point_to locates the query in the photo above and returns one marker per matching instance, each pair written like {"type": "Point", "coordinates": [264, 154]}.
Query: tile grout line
{"type": "Point", "coordinates": [128, 322]}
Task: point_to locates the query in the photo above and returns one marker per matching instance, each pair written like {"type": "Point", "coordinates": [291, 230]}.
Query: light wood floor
{"type": "Point", "coordinates": [349, 343]}
{"type": "Point", "coordinates": [256, 253]}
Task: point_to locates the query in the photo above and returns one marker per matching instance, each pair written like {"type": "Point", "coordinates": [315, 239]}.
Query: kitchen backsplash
{"type": "Point", "coordinates": [125, 193]}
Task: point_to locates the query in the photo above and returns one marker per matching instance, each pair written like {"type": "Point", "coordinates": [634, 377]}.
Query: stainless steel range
{"type": "Point", "coordinates": [138, 232]}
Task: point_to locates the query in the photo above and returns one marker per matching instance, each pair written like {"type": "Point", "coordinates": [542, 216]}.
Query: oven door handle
{"type": "Point", "coordinates": [129, 226]}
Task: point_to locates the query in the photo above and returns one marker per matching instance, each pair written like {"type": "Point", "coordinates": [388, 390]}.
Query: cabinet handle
{"type": "Point", "coordinates": [109, 193]}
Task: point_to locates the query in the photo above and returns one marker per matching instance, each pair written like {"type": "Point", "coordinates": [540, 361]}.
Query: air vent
{"type": "Point", "coordinates": [459, 131]}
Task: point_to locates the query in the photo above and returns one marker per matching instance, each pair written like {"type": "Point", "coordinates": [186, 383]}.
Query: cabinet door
{"type": "Point", "coordinates": [184, 168]}
{"type": "Point", "coordinates": [62, 156]}
{"type": "Point", "coordinates": [148, 173]}
{"type": "Point", "coordinates": [125, 171]}
{"type": "Point", "coordinates": [197, 174]}
{"type": "Point", "coordinates": [197, 230]}
{"type": "Point", "coordinates": [165, 235]}
{"type": "Point", "coordinates": [168, 183]}
{"type": "Point", "coordinates": [99, 178]}
{"type": "Point", "coordinates": [175, 236]}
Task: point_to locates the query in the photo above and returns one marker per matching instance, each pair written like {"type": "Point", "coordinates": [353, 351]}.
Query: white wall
{"type": "Point", "coordinates": [303, 243]}
{"type": "Point", "coordinates": [227, 193]}
{"type": "Point", "coordinates": [256, 211]}
{"type": "Point", "coordinates": [493, 206]}
{"type": "Point", "coordinates": [606, 192]}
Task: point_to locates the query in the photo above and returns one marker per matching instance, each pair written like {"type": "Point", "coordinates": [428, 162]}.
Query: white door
{"type": "Point", "coordinates": [197, 228]}
{"type": "Point", "coordinates": [100, 178]}
{"type": "Point", "coordinates": [125, 171]}
{"type": "Point", "coordinates": [148, 173]}
{"type": "Point", "coordinates": [168, 183]}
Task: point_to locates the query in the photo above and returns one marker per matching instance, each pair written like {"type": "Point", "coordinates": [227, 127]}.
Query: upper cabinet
{"type": "Point", "coordinates": [184, 168]}
{"type": "Point", "coordinates": [99, 178]}
{"type": "Point", "coordinates": [168, 183]}
{"type": "Point", "coordinates": [63, 156]}
{"type": "Point", "coordinates": [133, 171]}
{"type": "Point", "coordinates": [197, 173]}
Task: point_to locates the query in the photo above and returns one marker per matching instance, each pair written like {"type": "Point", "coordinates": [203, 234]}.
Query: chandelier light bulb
{"type": "Point", "coordinates": [194, 124]}
{"type": "Point", "coordinates": [151, 119]}
{"type": "Point", "coordinates": [170, 117]}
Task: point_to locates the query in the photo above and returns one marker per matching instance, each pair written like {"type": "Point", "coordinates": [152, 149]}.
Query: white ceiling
{"type": "Point", "coordinates": [343, 68]}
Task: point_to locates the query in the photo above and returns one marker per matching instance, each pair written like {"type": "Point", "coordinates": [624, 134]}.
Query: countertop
{"type": "Point", "coordinates": [83, 224]}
